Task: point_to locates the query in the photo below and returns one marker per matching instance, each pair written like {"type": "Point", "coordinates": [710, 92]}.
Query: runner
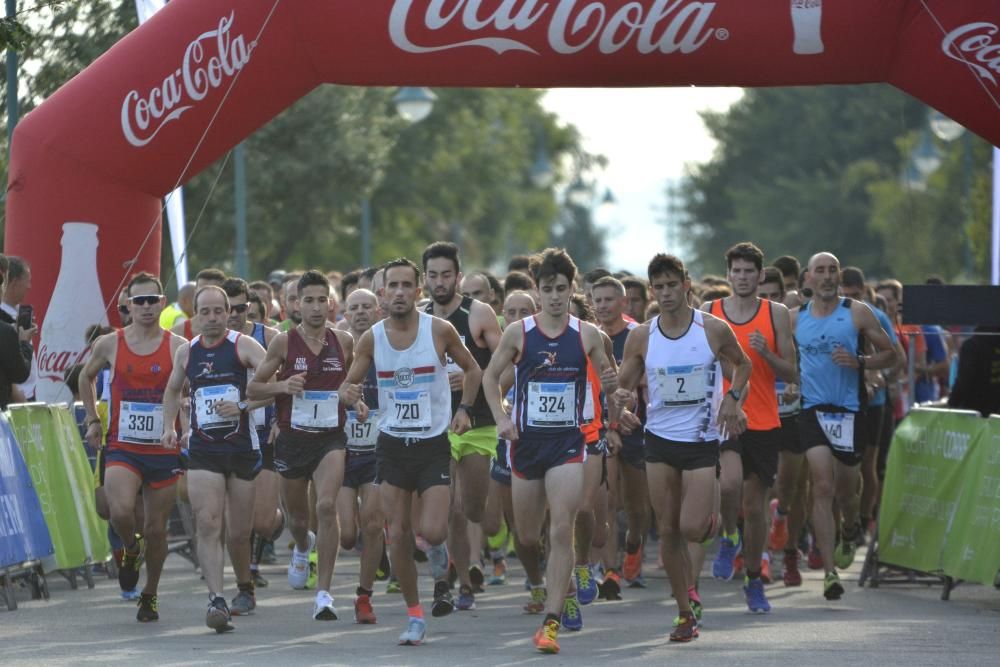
{"type": "Point", "coordinates": [473, 450]}
{"type": "Point", "coordinates": [189, 327]}
{"type": "Point", "coordinates": [311, 361]}
{"type": "Point", "coordinates": [636, 298]}
{"type": "Point", "coordinates": [550, 352]}
{"type": "Point", "coordinates": [833, 360]}
{"type": "Point", "coordinates": [141, 358]}
{"type": "Point", "coordinates": [609, 296]}
{"type": "Point", "coordinates": [268, 519]}
{"type": "Point", "coordinates": [361, 313]}
{"type": "Point", "coordinates": [750, 461]}
{"type": "Point", "coordinates": [680, 352]}
{"type": "Point", "coordinates": [413, 454]}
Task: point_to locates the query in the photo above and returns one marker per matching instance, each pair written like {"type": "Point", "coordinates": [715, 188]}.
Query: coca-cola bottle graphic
{"type": "Point", "coordinates": [76, 303]}
{"type": "Point", "coordinates": [807, 18]}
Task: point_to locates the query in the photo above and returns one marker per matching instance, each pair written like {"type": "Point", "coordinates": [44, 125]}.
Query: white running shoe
{"type": "Point", "coordinates": [298, 569]}
{"type": "Point", "coordinates": [324, 610]}
{"type": "Point", "coordinates": [416, 631]}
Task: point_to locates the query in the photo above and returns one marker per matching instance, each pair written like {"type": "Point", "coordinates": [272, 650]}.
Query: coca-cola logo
{"type": "Point", "coordinates": [972, 44]}
{"type": "Point", "coordinates": [143, 116]}
{"type": "Point", "coordinates": [52, 364]}
{"type": "Point", "coordinates": [664, 26]}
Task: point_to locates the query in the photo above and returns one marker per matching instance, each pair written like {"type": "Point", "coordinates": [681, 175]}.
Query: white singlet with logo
{"type": "Point", "coordinates": [685, 384]}
{"type": "Point", "coordinates": [414, 396]}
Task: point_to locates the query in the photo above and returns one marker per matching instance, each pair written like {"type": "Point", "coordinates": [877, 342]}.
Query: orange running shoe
{"type": "Point", "coordinates": [738, 565]}
{"type": "Point", "coordinates": [547, 636]}
{"type": "Point", "coordinates": [765, 568]}
{"type": "Point", "coordinates": [632, 567]}
{"type": "Point", "coordinates": [778, 535]}
{"type": "Point", "coordinates": [363, 611]}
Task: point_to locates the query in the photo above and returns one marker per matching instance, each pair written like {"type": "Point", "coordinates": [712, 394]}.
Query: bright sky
{"type": "Point", "coordinates": [648, 135]}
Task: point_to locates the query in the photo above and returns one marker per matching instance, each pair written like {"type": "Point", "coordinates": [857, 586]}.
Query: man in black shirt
{"type": "Point", "coordinates": [977, 386]}
{"type": "Point", "coordinates": [15, 349]}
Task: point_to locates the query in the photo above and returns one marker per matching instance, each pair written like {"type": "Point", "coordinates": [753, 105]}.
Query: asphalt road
{"type": "Point", "coordinates": [898, 625]}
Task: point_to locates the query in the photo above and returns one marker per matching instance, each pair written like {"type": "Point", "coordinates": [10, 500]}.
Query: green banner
{"type": "Point", "coordinates": [927, 471]}
{"type": "Point", "coordinates": [51, 446]}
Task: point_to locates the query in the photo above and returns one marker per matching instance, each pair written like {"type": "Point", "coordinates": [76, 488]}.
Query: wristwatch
{"type": "Point", "coordinates": [243, 405]}
{"type": "Point", "coordinates": [466, 407]}
{"type": "Point", "coordinates": [735, 393]}
{"type": "Point", "coordinates": [861, 361]}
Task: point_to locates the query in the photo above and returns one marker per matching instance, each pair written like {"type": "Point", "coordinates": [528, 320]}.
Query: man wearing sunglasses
{"type": "Point", "coordinates": [268, 519]}
{"type": "Point", "coordinates": [141, 359]}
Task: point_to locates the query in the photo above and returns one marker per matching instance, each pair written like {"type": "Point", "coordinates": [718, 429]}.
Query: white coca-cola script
{"type": "Point", "coordinates": [663, 26]}
{"type": "Point", "coordinates": [52, 365]}
{"type": "Point", "coordinates": [143, 116]}
{"type": "Point", "coordinates": [972, 44]}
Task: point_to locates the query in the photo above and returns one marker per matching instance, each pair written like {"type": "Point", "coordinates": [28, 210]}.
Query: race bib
{"type": "Point", "coordinates": [786, 409]}
{"type": "Point", "coordinates": [588, 404]}
{"type": "Point", "coordinates": [552, 404]}
{"type": "Point", "coordinates": [409, 410]}
{"type": "Point", "coordinates": [361, 435]}
{"type": "Point", "coordinates": [207, 398]}
{"type": "Point", "coordinates": [679, 386]}
{"type": "Point", "coordinates": [839, 429]}
{"type": "Point", "coordinates": [449, 364]}
{"type": "Point", "coordinates": [140, 423]}
{"type": "Point", "coordinates": [315, 411]}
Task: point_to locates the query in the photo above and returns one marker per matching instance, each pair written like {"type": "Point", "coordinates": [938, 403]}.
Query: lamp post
{"type": "Point", "coordinates": [12, 102]}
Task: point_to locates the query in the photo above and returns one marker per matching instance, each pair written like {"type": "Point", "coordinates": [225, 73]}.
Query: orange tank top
{"type": "Point", "coordinates": [592, 427]}
{"type": "Point", "coordinates": [761, 406]}
{"type": "Point", "coordinates": [135, 417]}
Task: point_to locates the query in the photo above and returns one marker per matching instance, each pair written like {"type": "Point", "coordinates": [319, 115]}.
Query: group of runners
{"type": "Point", "coordinates": [438, 416]}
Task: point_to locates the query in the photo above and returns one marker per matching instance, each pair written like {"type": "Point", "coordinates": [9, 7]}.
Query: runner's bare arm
{"type": "Point", "coordinates": [597, 347]}
{"type": "Point", "coordinates": [261, 387]}
{"type": "Point", "coordinates": [503, 359]}
{"type": "Point", "coordinates": [731, 419]}
{"type": "Point", "coordinates": [172, 397]}
{"type": "Point", "coordinates": [785, 363]}
{"type": "Point", "coordinates": [484, 321]}
{"type": "Point", "coordinates": [633, 363]}
{"type": "Point", "coordinates": [866, 322]}
{"type": "Point", "coordinates": [100, 356]}
{"type": "Point", "coordinates": [472, 374]}
{"type": "Point", "coordinates": [252, 354]}
{"type": "Point", "coordinates": [351, 390]}
{"type": "Point", "coordinates": [609, 378]}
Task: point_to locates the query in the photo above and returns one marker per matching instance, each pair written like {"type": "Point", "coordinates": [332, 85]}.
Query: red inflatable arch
{"type": "Point", "coordinates": [90, 165]}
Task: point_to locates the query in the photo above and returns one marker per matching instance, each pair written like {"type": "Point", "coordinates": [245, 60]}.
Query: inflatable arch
{"type": "Point", "coordinates": [90, 164]}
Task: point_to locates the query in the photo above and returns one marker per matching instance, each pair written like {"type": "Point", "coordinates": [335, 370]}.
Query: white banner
{"type": "Point", "coordinates": [175, 200]}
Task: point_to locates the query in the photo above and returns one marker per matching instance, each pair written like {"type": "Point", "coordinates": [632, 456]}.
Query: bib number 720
{"type": "Point", "coordinates": [407, 411]}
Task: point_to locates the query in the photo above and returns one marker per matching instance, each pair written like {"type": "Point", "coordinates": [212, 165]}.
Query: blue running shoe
{"type": "Point", "coordinates": [130, 596]}
{"type": "Point", "coordinates": [722, 566]}
{"type": "Point", "coordinates": [572, 618]}
{"type": "Point", "coordinates": [416, 630]}
{"type": "Point", "coordinates": [466, 599]}
{"type": "Point", "coordinates": [757, 602]}
{"type": "Point", "coordinates": [586, 584]}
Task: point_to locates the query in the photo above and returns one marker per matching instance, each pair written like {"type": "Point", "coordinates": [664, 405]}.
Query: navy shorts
{"type": "Point", "coordinates": [533, 456]}
{"type": "Point", "coordinates": [682, 455]}
{"type": "Point", "coordinates": [242, 464]}
{"type": "Point", "coordinates": [633, 451]}
{"type": "Point", "coordinates": [500, 468]}
{"type": "Point", "coordinates": [359, 469]}
{"type": "Point", "coordinates": [156, 471]}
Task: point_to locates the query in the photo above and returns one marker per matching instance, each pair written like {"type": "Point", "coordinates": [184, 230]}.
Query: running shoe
{"type": "Point", "coordinates": [815, 558]}
{"type": "Point", "coordinates": [536, 603]}
{"type": "Point", "coordinates": [638, 582]}
{"type": "Point", "coordinates": [444, 604]}
{"type": "Point", "coordinates": [685, 627]}
{"type": "Point", "coordinates": [384, 570]}
{"type": "Point", "coordinates": [323, 609]}
{"type": "Point", "coordinates": [832, 588]}
{"type": "Point", "coordinates": [753, 590]}
{"type": "Point", "coordinates": [466, 599]}
{"type": "Point", "coordinates": [777, 537]}
{"type": "Point", "coordinates": [765, 568]}
{"type": "Point", "coordinates": [313, 569]}
{"type": "Point", "coordinates": [843, 556]}
{"type": "Point", "coordinates": [217, 617]}
{"type": "Point", "coordinates": [547, 637]}
{"type": "Point", "coordinates": [298, 568]}
{"type": "Point", "coordinates": [130, 596]}
{"type": "Point", "coordinates": [499, 576]}
{"type": "Point", "coordinates": [572, 617]}
{"type": "Point", "coordinates": [611, 588]}
{"type": "Point", "coordinates": [632, 566]}
{"type": "Point", "coordinates": [791, 575]}
{"type": "Point", "coordinates": [393, 586]}
{"type": "Point", "coordinates": [243, 604]}
{"type": "Point", "coordinates": [477, 577]}
{"type": "Point", "coordinates": [723, 566]}
{"type": "Point", "coordinates": [147, 609]}
{"type": "Point", "coordinates": [586, 584]}
{"type": "Point", "coordinates": [416, 630]}
{"type": "Point", "coordinates": [131, 563]}
{"type": "Point", "coordinates": [695, 601]}
{"type": "Point", "coordinates": [364, 613]}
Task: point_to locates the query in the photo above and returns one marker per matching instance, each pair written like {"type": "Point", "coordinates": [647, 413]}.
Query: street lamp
{"type": "Point", "coordinates": [578, 194]}
{"type": "Point", "coordinates": [542, 174]}
{"type": "Point", "coordinates": [414, 104]}
{"type": "Point", "coordinates": [926, 157]}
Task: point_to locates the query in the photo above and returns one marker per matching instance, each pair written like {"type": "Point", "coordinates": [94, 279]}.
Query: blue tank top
{"type": "Point", "coordinates": [880, 397]}
{"type": "Point", "coordinates": [550, 381]}
{"type": "Point", "coordinates": [216, 374]}
{"type": "Point", "coordinates": [823, 381]}
{"type": "Point", "coordinates": [258, 335]}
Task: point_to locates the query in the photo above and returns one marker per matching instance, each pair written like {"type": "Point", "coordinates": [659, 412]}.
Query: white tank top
{"type": "Point", "coordinates": [685, 384]}
{"type": "Point", "coordinates": [414, 396]}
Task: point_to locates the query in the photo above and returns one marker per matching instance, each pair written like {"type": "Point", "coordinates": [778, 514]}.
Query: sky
{"type": "Point", "coordinates": [648, 136]}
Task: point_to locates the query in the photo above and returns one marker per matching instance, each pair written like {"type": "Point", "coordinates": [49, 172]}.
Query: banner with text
{"type": "Point", "coordinates": [23, 533]}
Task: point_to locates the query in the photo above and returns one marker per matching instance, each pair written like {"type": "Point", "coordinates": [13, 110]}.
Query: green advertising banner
{"type": "Point", "coordinates": [927, 475]}
{"type": "Point", "coordinates": [51, 446]}
{"type": "Point", "coordinates": [972, 550]}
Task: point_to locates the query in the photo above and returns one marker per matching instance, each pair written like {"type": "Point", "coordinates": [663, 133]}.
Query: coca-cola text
{"type": "Point", "coordinates": [52, 364]}
{"type": "Point", "coordinates": [665, 26]}
{"type": "Point", "coordinates": [144, 117]}
{"type": "Point", "coordinates": [972, 44]}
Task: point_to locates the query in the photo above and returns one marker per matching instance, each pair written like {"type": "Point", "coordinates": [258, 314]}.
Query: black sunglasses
{"type": "Point", "coordinates": [145, 299]}
{"type": "Point", "coordinates": [240, 307]}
